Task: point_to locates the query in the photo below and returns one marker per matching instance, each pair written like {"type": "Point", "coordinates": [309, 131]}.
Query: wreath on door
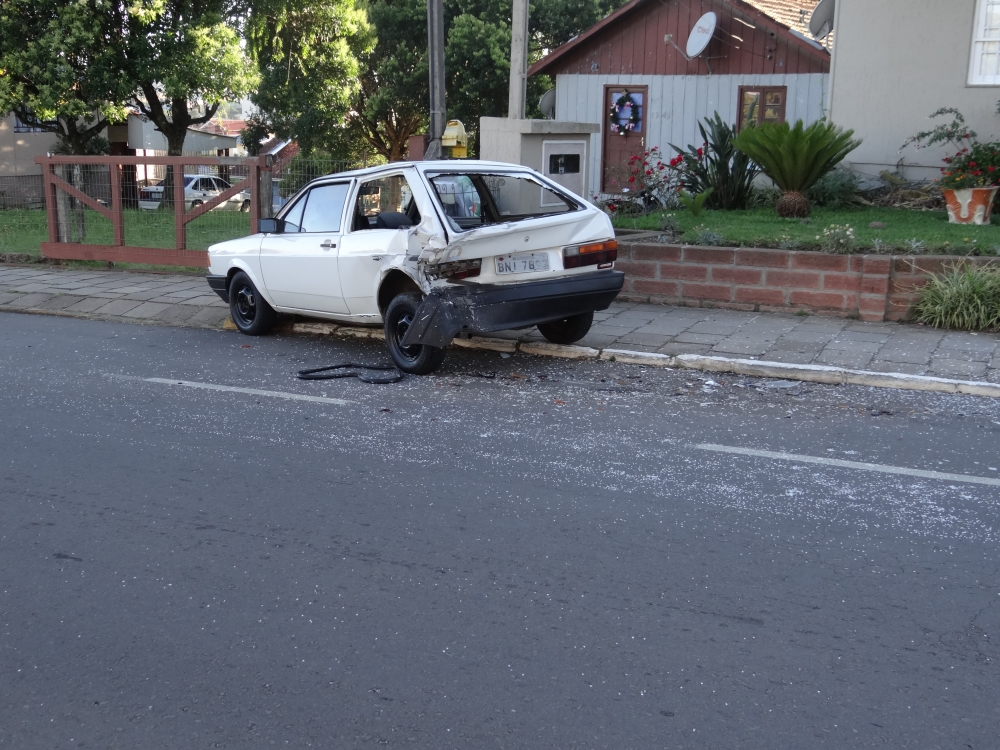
{"type": "Point", "coordinates": [616, 113]}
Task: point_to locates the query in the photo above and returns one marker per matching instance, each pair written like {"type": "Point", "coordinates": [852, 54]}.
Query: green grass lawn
{"type": "Point", "coordinates": [23, 230]}
{"type": "Point", "coordinates": [762, 227]}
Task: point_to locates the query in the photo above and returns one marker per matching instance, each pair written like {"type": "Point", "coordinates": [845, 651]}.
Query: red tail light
{"type": "Point", "coordinates": [592, 254]}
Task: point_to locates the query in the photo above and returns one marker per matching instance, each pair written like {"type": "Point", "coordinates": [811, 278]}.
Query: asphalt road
{"type": "Point", "coordinates": [544, 558]}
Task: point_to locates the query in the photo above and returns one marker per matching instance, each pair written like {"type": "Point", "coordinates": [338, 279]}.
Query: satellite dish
{"type": "Point", "coordinates": [548, 104]}
{"type": "Point", "coordinates": [701, 34]}
{"type": "Point", "coordinates": [821, 22]}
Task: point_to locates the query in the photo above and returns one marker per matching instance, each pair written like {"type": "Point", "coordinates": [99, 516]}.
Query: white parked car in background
{"type": "Point", "coordinates": [198, 189]}
{"type": "Point", "coordinates": [429, 250]}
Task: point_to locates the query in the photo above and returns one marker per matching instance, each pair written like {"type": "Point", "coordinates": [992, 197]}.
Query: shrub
{"type": "Point", "coordinates": [795, 158]}
{"type": "Point", "coordinates": [838, 238]}
{"type": "Point", "coordinates": [836, 189]}
{"type": "Point", "coordinates": [650, 182]}
{"type": "Point", "coordinates": [967, 299]}
{"type": "Point", "coordinates": [717, 166]}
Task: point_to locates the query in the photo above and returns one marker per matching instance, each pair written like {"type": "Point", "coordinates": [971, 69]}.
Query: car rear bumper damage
{"type": "Point", "coordinates": [481, 308]}
{"type": "Point", "coordinates": [218, 285]}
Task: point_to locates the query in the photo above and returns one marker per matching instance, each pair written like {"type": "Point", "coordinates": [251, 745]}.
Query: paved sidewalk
{"type": "Point", "coordinates": [881, 347]}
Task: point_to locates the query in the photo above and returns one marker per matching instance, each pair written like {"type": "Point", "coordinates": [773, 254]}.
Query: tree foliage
{"type": "Point", "coordinates": [57, 71]}
{"type": "Point", "coordinates": [183, 58]}
{"type": "Point", "coordinates": [307, 54]}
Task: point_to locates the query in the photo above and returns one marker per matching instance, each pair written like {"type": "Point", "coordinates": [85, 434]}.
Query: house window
{"type": "Point", "coordinates": [22, 127]}
{"type": "Point", "coordinates": [984, 69]}
{"type": "Point", "coordinates": [760, 104]}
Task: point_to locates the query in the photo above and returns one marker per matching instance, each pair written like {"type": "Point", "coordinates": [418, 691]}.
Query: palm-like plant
{"type": "Point", "coordinates": [796, 157]}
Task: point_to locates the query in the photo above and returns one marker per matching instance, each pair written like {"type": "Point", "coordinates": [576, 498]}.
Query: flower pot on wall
{"type": "Point", "coordinates": [970, 205]}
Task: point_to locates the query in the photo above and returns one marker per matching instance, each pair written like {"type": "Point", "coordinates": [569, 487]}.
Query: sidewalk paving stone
{"type": "Point", "coordinates": [117, 307]}
{"type": "Point", "coordinates": [146, 310]}
{"type": "Point", "coordinates": [29, 301]}
{"type": "Point", "coordinates": [60, 302]}
{"type": "Point", "coordinates": [176, 313]}
{"type": "Point", "coordinates": [87, 305]}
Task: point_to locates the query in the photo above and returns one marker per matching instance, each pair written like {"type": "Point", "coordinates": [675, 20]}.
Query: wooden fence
{"type": "Point", "coordinates": [60, 245]}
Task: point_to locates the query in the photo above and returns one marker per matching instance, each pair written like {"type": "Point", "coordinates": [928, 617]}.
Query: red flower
{"type": "Point", "coordinates": [662, 167]}
{"type": "Point", "coordinates": [632, 178]}
{"type": "Point", "coordinates": [649, 172]}
{"type": "Point", "coordinates": [992, 169]}
{"type": "Point", "coordinates": [701, 152]}
{"type": "Point", "coordinates": [972, 164]}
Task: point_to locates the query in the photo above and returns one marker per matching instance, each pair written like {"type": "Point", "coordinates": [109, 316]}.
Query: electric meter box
{"type": "Point", "coordinates": [559, 150]}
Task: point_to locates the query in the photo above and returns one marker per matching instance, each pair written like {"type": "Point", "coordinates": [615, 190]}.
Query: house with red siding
{"type": "Point", "coordinates": [754, 69]}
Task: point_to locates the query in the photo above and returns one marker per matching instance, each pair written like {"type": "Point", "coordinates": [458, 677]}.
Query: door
{"type": "Point", "coordinates": [380, 219]}
{"type": "Point", "coordinates": [299, 264]}
{"type": "Point", "coordinates": [623, 133]}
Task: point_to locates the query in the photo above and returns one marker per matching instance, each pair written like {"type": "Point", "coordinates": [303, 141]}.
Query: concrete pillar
{"type": "Point", "coordinates": [435, 48]}
{"type": "Point", "coordinates": [518, 61]}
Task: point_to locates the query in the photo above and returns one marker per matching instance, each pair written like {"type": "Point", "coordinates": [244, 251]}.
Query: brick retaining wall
{"type": "Point", "coordinates": [872, 287]}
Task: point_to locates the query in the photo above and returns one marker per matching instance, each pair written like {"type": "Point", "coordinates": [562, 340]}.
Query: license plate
{"type": "Point", "coordinates": [522, 263]}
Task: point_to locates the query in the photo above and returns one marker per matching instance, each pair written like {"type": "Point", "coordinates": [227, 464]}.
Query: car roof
{"type": "Point", "coordinates": [425, 166]}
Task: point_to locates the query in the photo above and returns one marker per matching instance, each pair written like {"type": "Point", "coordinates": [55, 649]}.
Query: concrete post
{"type": "Point", "coordinates": [435, 48]}
{"type": "Point", "coordinates": [518, 61]}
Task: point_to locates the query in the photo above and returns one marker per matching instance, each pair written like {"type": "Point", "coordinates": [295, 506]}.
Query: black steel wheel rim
{"type": "Point", "coordinates": [403, 324]}
{"type": "Point", "coordinates": [246, 304]}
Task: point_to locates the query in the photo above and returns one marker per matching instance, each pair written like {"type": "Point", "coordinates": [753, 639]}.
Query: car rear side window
{"type": "Point", "coordinates": [474, 199]}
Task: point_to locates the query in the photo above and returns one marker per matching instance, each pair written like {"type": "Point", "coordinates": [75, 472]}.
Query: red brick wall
{"type": "Point", "coordinates": [872, 287]}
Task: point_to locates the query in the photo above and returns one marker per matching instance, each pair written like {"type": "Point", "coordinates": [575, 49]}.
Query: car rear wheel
{"type": "Point", "coordinates": [418, 359]}
{"type": "Point", "coordinates": [568, 330]}
{"type": "Point", "coordinates": [251, 313]}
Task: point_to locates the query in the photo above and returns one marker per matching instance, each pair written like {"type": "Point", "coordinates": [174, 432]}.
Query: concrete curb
{"type": "Point", "coordinates": [750, 367]}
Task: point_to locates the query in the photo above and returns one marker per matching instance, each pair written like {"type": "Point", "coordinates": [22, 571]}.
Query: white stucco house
{"type": "Point", "coordinates": [897, 61]}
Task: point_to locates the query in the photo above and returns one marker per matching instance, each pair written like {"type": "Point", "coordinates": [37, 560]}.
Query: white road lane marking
{"type": "Point", "coordinates": [234, 389]}
{"type": "Point", "coordinates": [884, 469]}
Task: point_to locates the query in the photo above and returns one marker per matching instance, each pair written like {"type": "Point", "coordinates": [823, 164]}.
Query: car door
{"type": "Point", "coordinates": [299, 264]}
{"type": "Point", "coordinates": [382, 213]}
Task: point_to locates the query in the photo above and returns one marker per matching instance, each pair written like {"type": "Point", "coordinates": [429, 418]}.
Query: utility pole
{"type": "Point", "coordinates": [518, 61]}
{"type": "Point", "coordinates": [435, 48]}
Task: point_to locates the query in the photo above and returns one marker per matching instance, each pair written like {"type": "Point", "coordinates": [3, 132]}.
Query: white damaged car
{"type": "Point", "coordinates": [428, 250]}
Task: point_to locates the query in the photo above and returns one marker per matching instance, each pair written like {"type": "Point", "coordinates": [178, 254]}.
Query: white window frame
{"type": "Point", "coordinates": [979, 40]}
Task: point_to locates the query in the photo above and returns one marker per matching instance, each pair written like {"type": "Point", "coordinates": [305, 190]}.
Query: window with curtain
{"type": "Point", "coordinates": [984, 69]}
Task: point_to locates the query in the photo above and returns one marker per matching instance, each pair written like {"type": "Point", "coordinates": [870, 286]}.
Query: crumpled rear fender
{"type": "Point", "coordinates": [447, 311]}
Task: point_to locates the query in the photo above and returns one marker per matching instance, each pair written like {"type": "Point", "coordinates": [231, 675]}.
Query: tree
{"type": "Point", "coordinates": [392, 100]}
{"type": "Point", "coordinates": [57, 71]}
{"type": "Point", "coordinates": [182, 57]}
{"type": "Point", "coordinates": [307, 58]}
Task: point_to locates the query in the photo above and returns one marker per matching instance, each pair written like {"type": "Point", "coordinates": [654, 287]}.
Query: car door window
{"type": "Point", "coordinates": [385, 203]}
{"type": "Point", "coordinates": [324, 208]}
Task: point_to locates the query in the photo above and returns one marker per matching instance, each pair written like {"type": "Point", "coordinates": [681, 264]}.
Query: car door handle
{"type": "Point", "coordinates": [327, 244]}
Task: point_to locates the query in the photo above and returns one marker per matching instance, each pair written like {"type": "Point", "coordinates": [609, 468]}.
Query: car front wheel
{"type": "Point", "coordinates": [568, 330]}
{"type": "Point", "coordinates": [251, 313]}
{"type": "Point", "coordinates": [418, 359]}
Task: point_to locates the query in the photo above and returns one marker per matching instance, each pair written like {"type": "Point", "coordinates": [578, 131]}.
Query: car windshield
{"type": "Point", "coordinates": [474, 199]}
{"type": "Point", "coordinates": [188, 181]}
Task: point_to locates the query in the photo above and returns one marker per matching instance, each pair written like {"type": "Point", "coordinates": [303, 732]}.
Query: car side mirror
{"type": "Point", "coordinates": [268, 226]}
